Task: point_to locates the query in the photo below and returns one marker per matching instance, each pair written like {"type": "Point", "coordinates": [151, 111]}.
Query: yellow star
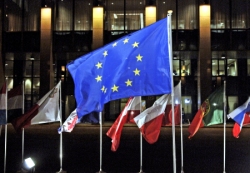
{"type": "Point", "coordinates": [98, 78]}
{"type": "Point", "coordinates": [129, 82]}
{"type": "Point", "coordinates": [115, 44]}
{"type": "Point", "coordinates": [137, 72]}
{"type": "Point", "coordinates": [105, 53]}
{"type": "Point", "coordinates": [135, 44]}
{"type": "Point", "coordinates": [115, 88]}
{"type": "Point", "coordinates": [125, 41]}
{"type": "Point", "coordinates": [139, 57]}
{"type": "Point", "coordinates": [98, 65]}
{"type": "Point", "coordinates": [104, 89]}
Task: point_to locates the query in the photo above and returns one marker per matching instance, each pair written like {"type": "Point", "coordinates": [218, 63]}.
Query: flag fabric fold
{"type": "Point", "coordinates": [46, 110]}
{"type": "Point", "coordinates": [15, 103]}
{"type": "Point", "coordinates": [131, 110]}
{"type": "Point", "coordinates": [167, 119]}
{"type": "Point", "coordinates": [135, 65]}
{"type": "Point", "coordinates": [241, 116]}
{"type": "Point", "coordinates": [209, 113]}
{"type": "Point", "coordinates": [69, 124]}
{"type": "Point", "coordinates": [150, 121]}
{"type": "Point", "coordinates": [73, 119]}
{"type": "Point", "coordinates": [3, 106]}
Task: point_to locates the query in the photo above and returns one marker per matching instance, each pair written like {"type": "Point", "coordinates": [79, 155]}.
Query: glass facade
{"type": "Point", "coordinates": [72, 37]}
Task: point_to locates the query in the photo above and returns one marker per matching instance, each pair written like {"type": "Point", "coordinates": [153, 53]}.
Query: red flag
{"type": "Point", "coordinates": [44, 111]}
{"type": "Point", "coordinates": [15, 103]}
{"type": "Point", "coordinates": [132, 109]}
{"type": "Point", "coordinates": [167, 119]}
{"type": "Point", "coordinates": [197, 122]}
{"type": "Point", "coordinates": [150, 120]}
{"type": "Point", "coordinates": [237, 128]}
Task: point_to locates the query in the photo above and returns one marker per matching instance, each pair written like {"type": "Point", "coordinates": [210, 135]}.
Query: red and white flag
{"type": "Point", "coordinates": [150, 120]}
{"type": "Point", "coordinates": [15, 103]}
{"type": "Point", "coordinates": [131, 110]}
{"type": "Point", "coordinates": [46, 110]}
{"type": "Point", "coordinates": [167, 119]}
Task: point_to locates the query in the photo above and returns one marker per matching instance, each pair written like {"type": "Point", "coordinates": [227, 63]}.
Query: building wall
{"type": "Point", "coordinates": [202, 63]}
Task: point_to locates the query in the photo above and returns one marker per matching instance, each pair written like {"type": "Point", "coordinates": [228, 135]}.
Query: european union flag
{"type": "Point", "coordinates": [135, 65]}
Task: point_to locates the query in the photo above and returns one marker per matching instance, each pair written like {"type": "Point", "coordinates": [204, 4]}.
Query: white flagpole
{"type": "Point", "coordinates": [140, 144]}
{"type": "Point", "coordinates": [100, 121]}
{"type": "Point", "coordinates": [172, 87]}
{"type": "Point", "coordinates": [6, 117]}
{"type": "Point", "coordinates": [60, 108]}
{"type": "Point", "coordinates": [182, 170]}
{"type": "Point", "coordinates": [225, 103]}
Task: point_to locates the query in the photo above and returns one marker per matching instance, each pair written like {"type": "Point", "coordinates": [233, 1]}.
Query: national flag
{"type": "Point", "coordinates": [15, 103]}
{"type": "Point", "coordinates": [135, 65]}
{"type": "Point", "coordinates": [69, 124]}
{"type": "Point", "coordinates": [167, 119]}
{"type": "Point", "coordinates": [210, 112]}
{"type": "Point", "coordinates": [3, 99]}
{"type": "Point", "coordinates": [131, 110]}
{"type": "Point", "coordinates": [73, 119]}
{"type": "Point", "coordinates": [241, 116]}
{"type": "Point", "coordinates": [150, 120]}
{"type": "Point", "coordinates": [46, 110]}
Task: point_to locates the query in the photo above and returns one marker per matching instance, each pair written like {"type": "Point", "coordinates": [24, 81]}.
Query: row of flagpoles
{"type": "Point", "coordinates": [149, 121]}
{"type": "Point", "coordinates": [46, 110]}
{"type": "Point", "coordinates": [136, 65]}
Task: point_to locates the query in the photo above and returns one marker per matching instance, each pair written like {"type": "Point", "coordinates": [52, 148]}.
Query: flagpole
{"type": "Point", "coordinates": [172, 87]}
{"type": "Point", "coordinates": [182, 171]}
{"type": "Point", "coordinates": [60, 107]}
{"type": "Point", "coordinates": [225, 103]}
{"type": "Point", "coordinates": [6, 117]}
{"type": "Point", "coordinates": [141, 171]}
{"type": "Point", "coordinates": [100, 121]}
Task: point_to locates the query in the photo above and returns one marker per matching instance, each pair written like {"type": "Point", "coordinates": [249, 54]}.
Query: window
{"type": "Point", "coordinates": [118, 19]}
{"type": "Point", "coordinates": [32, 15]}
{"type": "Point", "coordinates": [162, 10]}
{"type": "Point", "coordinates": [248, 67]}
{"type": "Point", "coordinates": [13, 15]}
{"type": "Point", "coordinates": [220, 39]}
{"type": "Point", "coordinates": [181, 67]}
{"type": "Point", "coordinates": [232, 67]}
{"type": "Point", "coordinates": [218, 67]}
{"type": "Point", "coordinates": [63, 15]}
{"type": "Point", "coordinates": [187, 14]}
{"type": "Point", "coordinates": [239, 39]}
{"type": "Point", "coordinates": [232, 103]}
{"type": "Point", "coordinates": [240, 11]}
{"type": "Point", "coordinates": [83, 15]}
{"type": "Point", "coordinates": [220, 14]}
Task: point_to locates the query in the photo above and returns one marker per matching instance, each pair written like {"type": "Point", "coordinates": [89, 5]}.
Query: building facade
{"type": "Point", "coordinates": [211, 45]}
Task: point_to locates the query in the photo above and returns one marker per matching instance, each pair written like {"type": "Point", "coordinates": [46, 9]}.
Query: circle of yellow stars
{"type": "Point", "coordinates": [128, 82]}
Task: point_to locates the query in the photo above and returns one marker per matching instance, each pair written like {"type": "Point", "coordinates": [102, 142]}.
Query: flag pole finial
{"type": "Point", "coordinates": [170, 11]}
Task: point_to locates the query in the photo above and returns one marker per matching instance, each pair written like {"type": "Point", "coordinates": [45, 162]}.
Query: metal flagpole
{"type": "Point", "coordinates": [172, 87]}
{"type": "Point", "coordinates": [225, 103]}
{"type": "Point", "coordinates": [100, 121]}
{"type": "Point", "coordinates": [182, 171]}
{"type": "Point", "coordinates": [60, 108]}
{"type": "Point", "coordinates": [6, 117]}
{"type": "Point", "coordinates": [140, 145]}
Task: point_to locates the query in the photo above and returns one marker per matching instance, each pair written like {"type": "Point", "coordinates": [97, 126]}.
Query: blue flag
{"type": "Point", "coordinates": [135, 65]}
